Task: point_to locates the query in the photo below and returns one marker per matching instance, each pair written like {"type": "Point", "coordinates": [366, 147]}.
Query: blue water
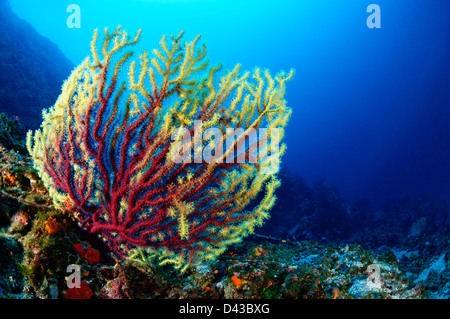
{"type": "Point", "coordinates": [371, 106]}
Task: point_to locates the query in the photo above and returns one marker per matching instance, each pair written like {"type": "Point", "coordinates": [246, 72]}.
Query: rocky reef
{"type": "Point", "coordinates": [38, 242]}
{"type": "Point", "coordinates": [32, 69]}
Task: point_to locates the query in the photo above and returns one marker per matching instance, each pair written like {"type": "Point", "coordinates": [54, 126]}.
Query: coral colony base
{"type": "Point", "coordinates": [119, 151]}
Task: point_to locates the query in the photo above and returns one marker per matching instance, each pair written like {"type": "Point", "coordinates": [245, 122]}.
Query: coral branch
{"type": "Point", "coordinates": [112, 148]}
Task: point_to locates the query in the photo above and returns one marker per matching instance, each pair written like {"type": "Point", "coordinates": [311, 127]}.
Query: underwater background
{"type": "Point", "coordinates": [368, 142]}
{"type": "Point", "coordinates": [370, 105]}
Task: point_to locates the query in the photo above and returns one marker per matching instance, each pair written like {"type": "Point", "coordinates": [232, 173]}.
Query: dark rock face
{"type": "Point", "coordinates": [32, 69]}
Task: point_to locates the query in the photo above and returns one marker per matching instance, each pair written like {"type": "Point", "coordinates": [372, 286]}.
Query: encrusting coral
{"type": "Point", "coordinates": [120, 152]}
